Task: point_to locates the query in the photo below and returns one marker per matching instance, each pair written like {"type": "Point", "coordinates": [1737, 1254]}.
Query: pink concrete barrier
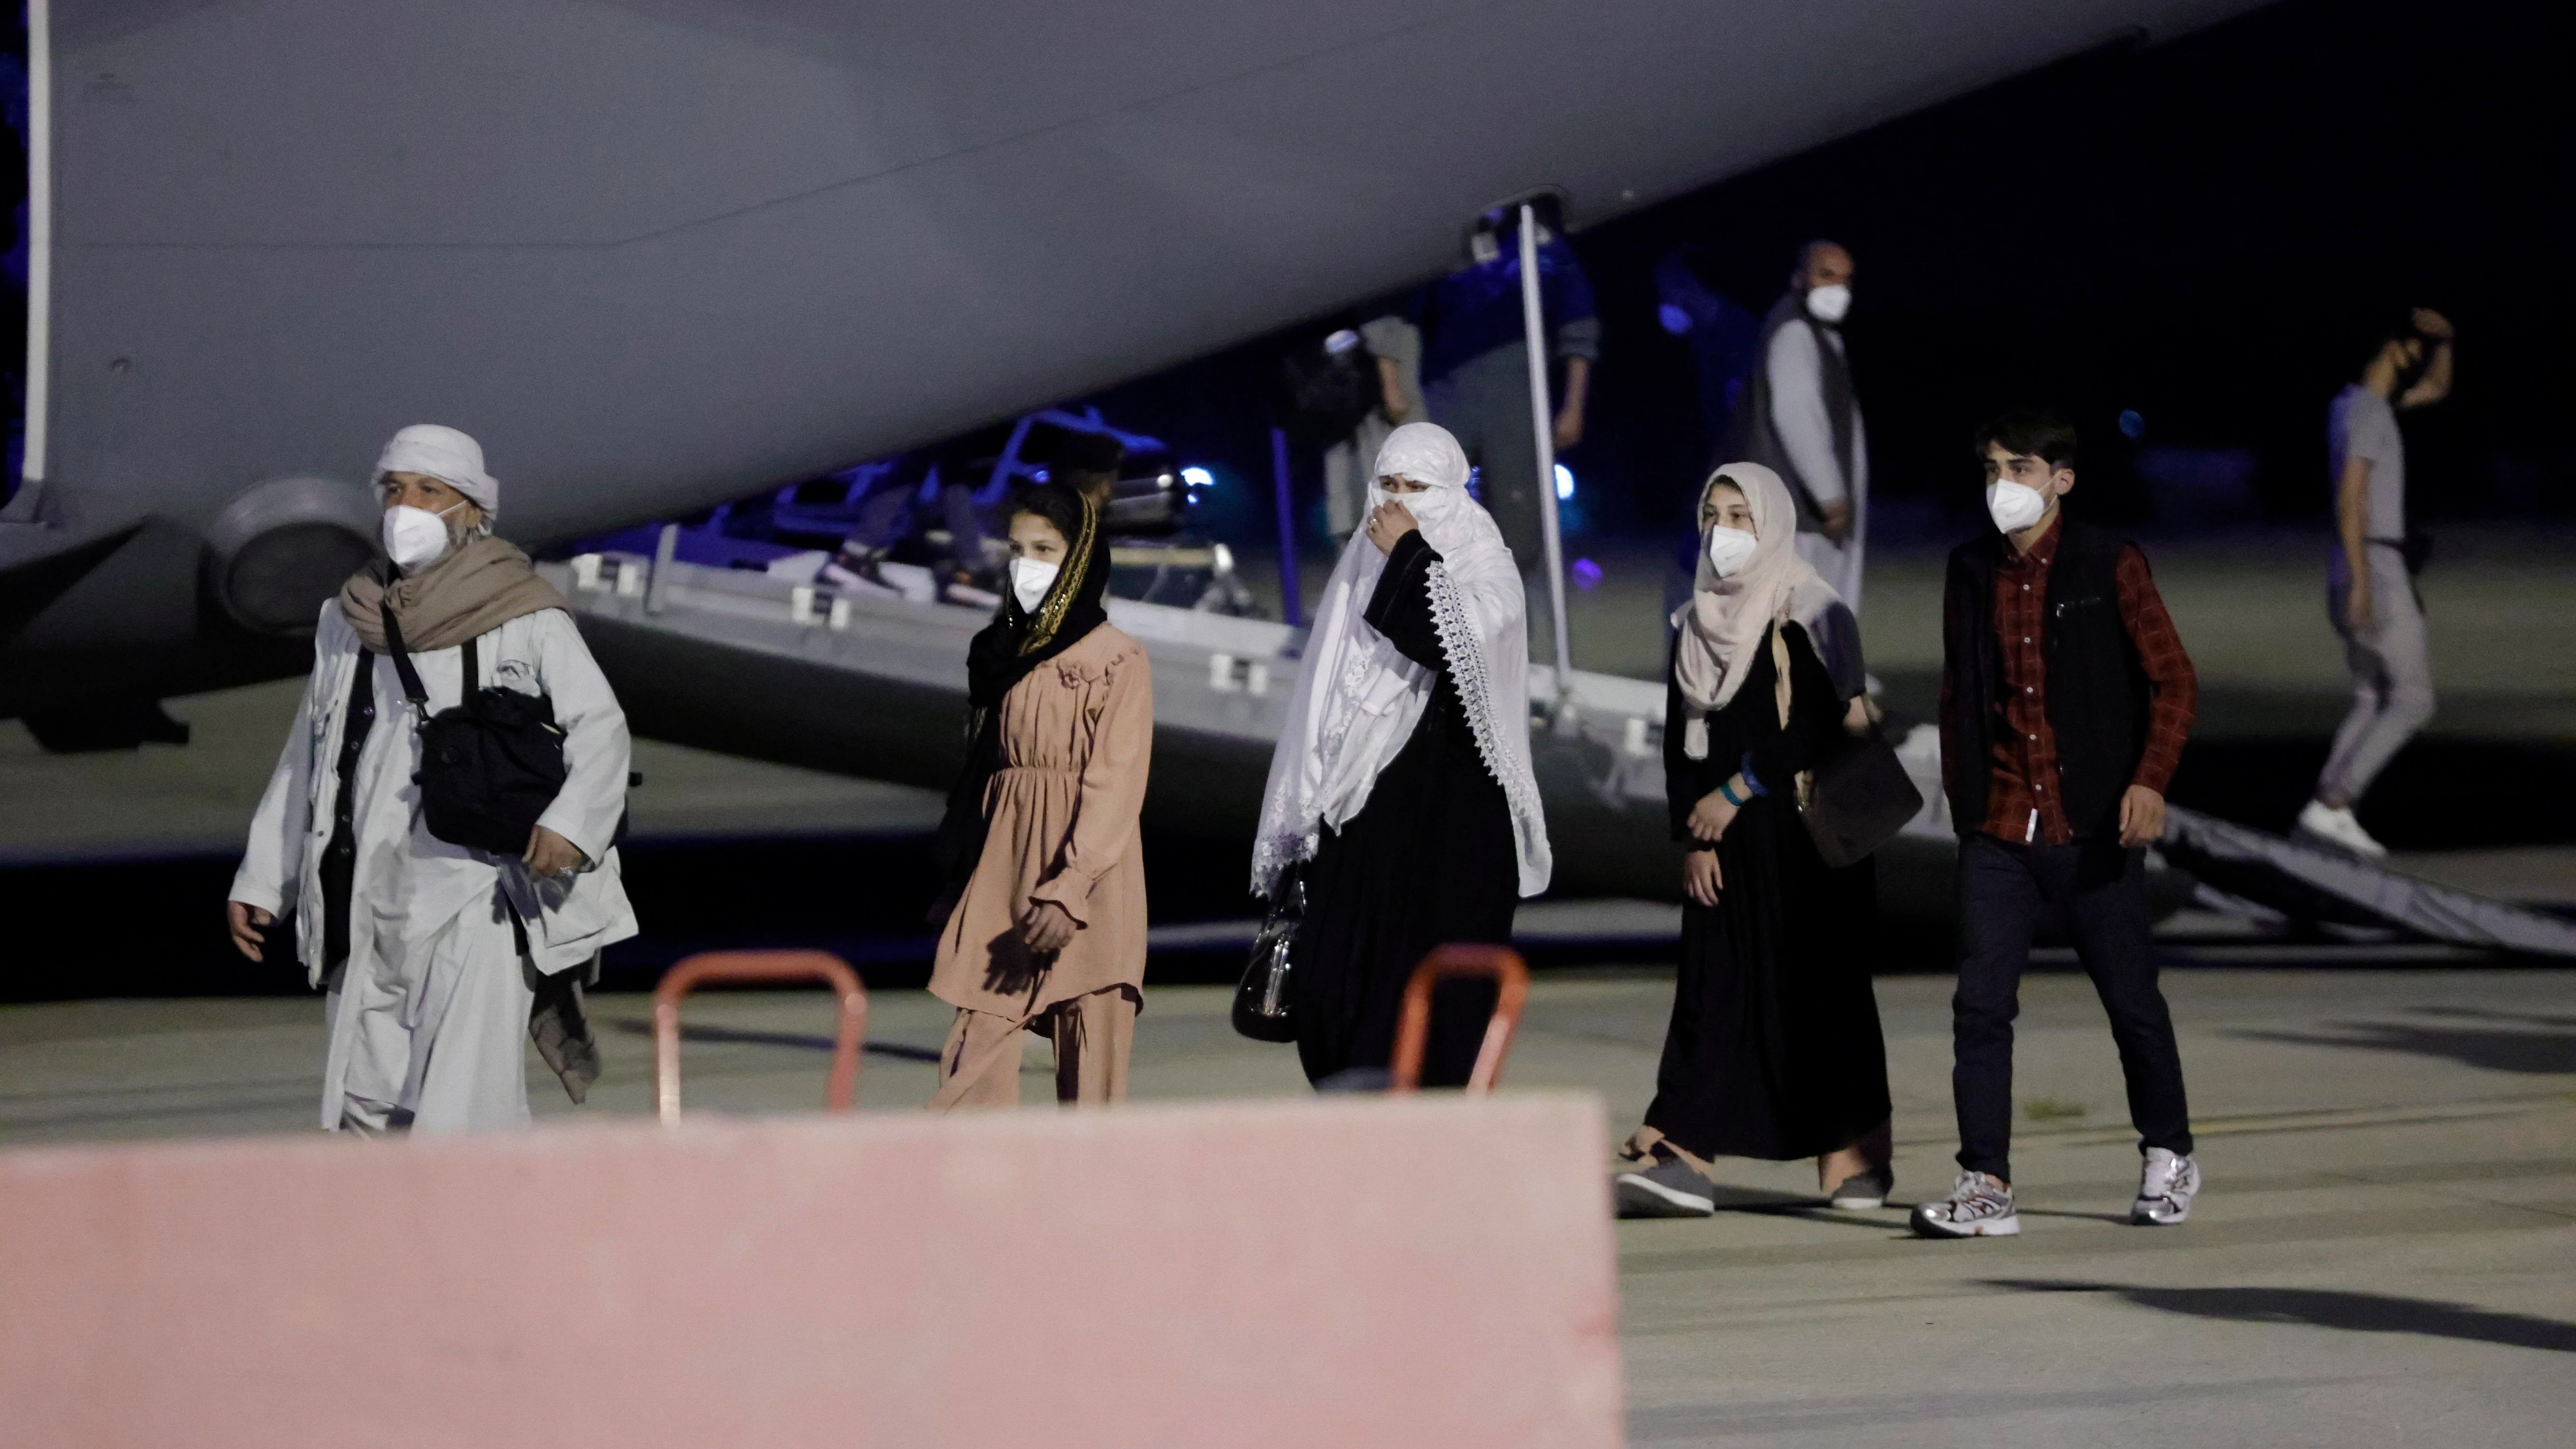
{"type": "Point", "coordinates": [1407, 1271]}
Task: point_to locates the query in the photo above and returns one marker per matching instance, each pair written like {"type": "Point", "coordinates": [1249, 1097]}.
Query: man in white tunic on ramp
{"type": "Point", "coordinates": [440, 959]}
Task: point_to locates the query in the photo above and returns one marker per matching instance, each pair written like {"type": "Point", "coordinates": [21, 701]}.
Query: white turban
{"type": "Point", "coordinates": [447, 455]}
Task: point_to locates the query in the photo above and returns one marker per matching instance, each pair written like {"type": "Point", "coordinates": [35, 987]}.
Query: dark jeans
{"type": "Point", "coordinates": [2101, 888]}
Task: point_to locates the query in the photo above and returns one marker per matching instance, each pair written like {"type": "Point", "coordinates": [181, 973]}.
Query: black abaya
{"type": "Point", "coordinates": [1774, 1050]}
{"type": "Point", "coordinates": [1428, 860]}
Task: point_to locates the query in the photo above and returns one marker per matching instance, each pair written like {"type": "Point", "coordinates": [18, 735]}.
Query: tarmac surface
{"type": "Point", "coordinates": [2385, 1253]}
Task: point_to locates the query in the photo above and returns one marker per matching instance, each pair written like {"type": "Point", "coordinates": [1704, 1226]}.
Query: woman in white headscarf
{"type": "Point", "coordinates": [441, 960]}
{"type": "Point", "coordinates": [1774, 1048]}
{"type": "Point", "coordinates": [1402, 785]}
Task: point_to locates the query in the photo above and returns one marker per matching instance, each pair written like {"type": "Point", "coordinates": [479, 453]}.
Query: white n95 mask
{"type": "Point", "coordinates": [415, 538]}
{"type": "Point", "coordinates": [1030, 580]}
{"type": "Point", "coordinates": [2014, 506]}
{"type": "Point", "coordinates": [1729, 549]}
{"type": "Point", "coordinates": [1828, 304]}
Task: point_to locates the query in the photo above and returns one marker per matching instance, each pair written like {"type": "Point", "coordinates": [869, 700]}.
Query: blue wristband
{"type": "Point", "coordinates": [1726, 792]}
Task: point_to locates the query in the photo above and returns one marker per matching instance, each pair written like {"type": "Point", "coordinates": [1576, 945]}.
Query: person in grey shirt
{"type": "Point", "coordinates": [2370, 590]}
{"type": "Point", "coordinates": [1396, 347]}
{"type": "Point", "coordinates": [1803, 422]}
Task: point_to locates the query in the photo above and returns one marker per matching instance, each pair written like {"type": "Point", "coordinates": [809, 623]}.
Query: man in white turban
{"type": "Point", "coordinates": [440, 959]}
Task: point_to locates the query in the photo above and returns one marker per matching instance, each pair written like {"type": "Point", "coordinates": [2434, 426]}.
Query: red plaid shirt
{"type": "Point", "coordinates": [2022, 801]}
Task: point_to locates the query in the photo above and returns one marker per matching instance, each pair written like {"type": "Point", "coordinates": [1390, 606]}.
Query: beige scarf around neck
{"type": "Point", "coordinates": [474, 590]}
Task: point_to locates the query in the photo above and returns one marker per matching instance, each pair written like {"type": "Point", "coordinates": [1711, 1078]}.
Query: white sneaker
{"type": "Point", "coordinates": [2339, 829]}
{"type": "Point", "coordinates": [2167, 1183]}
{"type": "Point", "coordinates": [1980, 1206]}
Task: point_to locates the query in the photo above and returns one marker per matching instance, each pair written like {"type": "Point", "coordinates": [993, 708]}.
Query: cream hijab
{"type": "Point", "coordinates": [1721, 629]}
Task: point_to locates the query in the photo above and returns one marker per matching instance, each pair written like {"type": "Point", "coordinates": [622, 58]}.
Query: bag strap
{"type": "Point", "coordinates": [401, 653]}
{"type": "Point", "coordinates": [1781, 689]}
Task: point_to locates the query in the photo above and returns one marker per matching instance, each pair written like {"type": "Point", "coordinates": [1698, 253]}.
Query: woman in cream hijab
{"type": "Point", "coordinates": [1401, 786]}
{"type": "Point", "coordinates": [1774, 1049]}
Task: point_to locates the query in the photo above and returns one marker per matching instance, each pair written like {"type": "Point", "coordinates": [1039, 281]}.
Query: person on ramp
{"type": "Point", "coordinates": [1043, 920]}
{"type": "Point", "coordinates": [1401, 784]}
{"type": "Point", "coordinates": [440, 959]}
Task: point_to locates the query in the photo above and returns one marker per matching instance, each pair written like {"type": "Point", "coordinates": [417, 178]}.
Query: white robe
{"type": "Point", "coordinates": [432, 955]}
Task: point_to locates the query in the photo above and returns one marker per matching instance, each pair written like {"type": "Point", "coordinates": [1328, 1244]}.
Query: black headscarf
{"type": "Point", "coordinates": [1002, 654]}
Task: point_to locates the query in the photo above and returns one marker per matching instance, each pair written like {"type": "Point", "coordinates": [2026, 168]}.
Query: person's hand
{"type": "Point", "coordinates": [1569, 428]}
{"type": "Point", "coordinates": [1857, 716]}
{"type": "Point", "coordinates": [1388, 523]}
{"type": "Point", "coordinates": [1838, 517]}
{"type": "Point", "coordinates": [1047, 927]}
{"type": "Point", "coordinates": [2356, 607]}
{"type": "Point", "coordinates": [244, 922]}
{"type": "Point", "coordinates": [1701, 878]}
{"type": "Point", "coordinates": [549, 854]}
{"type": "Point", "coordinates": [2142, 816]}
{"type": "Point", "coordinates": [2432, 324]}
{"type": "Point", "coordinates": [1710, 817]}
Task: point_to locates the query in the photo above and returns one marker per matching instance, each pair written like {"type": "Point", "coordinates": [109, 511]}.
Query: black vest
{"type": "Point", "coordinates": [1752, 436]}
{"type": "Point", "coordinates": [2097, 690]}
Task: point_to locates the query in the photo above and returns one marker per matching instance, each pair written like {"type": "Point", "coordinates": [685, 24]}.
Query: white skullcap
{"type": "Point", "coordinates": [1425, 453]}
{"type": "Point", "coordinates": [451, 457]}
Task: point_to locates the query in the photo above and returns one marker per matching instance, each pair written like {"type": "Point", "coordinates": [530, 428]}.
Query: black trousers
{"type": "Point", "coordinates": [2003, 888]}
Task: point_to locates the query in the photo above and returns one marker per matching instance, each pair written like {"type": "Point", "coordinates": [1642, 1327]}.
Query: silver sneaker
{"type": "Point", "coordinates": [1980, 1206]}
{"type": "Point", "coordinates": [2167, 1183]}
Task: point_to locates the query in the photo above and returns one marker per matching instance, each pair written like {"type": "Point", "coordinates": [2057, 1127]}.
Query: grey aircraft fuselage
{"type": "Point", "coordinates": [660, 253]}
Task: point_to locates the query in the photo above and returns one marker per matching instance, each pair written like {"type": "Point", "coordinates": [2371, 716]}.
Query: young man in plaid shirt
{"type": "Point", "coordinates": [2065, 700]}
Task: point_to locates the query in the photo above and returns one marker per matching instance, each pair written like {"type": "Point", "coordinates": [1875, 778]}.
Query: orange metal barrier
{"type": "Point", "coordinates": [1511, 980]}
{"type": "Point", "coordinates": [841, 1089]}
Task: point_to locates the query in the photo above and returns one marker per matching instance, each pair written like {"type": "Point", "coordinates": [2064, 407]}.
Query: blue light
{"type": "Point", "coordinates": [1675, 320]}
{"type": "Point", "coordinates": [1564, 481]}
{"type": "Point", "coordinates": [1198, 477]}
{"type": "Point", "coordinates": [2133, 425]}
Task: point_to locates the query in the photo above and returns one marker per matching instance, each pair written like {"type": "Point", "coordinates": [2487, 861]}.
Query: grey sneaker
{"type": "Point", "coordinates": [1980, 1206]}
{"type": "Point", "coordinates": [1863, 1191]}
{"type": "Point", "coordinates": [2167, 1182]}
{"type": "Point", "coordinates": [1671, 1188]}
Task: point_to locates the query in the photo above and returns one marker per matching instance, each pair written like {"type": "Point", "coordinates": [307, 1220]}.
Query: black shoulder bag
{"type": "Point", "coordinates": [490, 766]}
{"type": "Point", "coordinates": [1857, 795]}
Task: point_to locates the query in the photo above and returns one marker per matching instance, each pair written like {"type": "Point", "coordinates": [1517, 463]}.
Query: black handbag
{"type": "Point", "coordinates": [1857, 795]}
{"type": "Point", "coordinates": [1263, 1007]}
{"type": "Point", "coordinates": [488, 767]}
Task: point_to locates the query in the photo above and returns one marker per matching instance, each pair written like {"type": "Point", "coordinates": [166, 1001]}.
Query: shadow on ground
{"type": "Point", "coordinates": [2328, 1308]}
{"type": "Point", "coordinates": [2501, 1041]}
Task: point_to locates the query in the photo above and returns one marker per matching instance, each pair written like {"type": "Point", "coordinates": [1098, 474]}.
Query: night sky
{"type": "Point", "coordinates": [2203, 231]}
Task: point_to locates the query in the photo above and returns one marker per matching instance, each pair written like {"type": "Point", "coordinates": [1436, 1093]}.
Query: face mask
{"type": "Point", "coordinates": [1431, 505]}
{"type": "Point", "coordinates": [2014, 506]}
{"type": "Point", "coordinates": [415, 538]}
{"type": "Point", "coordinates": [1030, 580]}
{"type": "Point", "coordinates": [1730, 549]}
{"type": "Point", "coordinates": [1828, 304]}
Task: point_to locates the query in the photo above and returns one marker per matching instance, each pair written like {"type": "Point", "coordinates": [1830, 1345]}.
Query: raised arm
{"type": "Point", "coordinates": [1113, 790]}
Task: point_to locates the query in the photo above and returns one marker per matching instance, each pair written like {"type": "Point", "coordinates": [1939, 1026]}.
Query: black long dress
{"type": "Point", "coordinates": [1774, 1049]}
{"type": "Point", "coordinates": [1428, 860]}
